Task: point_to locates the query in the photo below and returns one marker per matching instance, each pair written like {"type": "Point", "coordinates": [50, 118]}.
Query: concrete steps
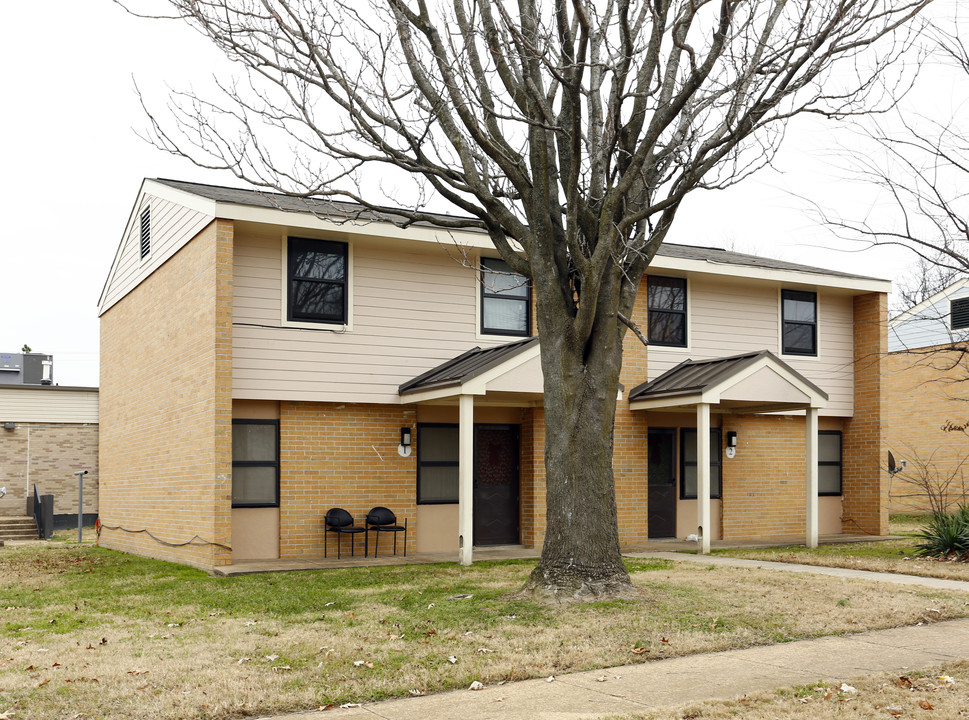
{"type": "Point", "coordinates": [18, 528]}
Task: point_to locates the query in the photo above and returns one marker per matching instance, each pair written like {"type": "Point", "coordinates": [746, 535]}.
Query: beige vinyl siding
{"type": "Point", "coordinates": [172, 225]}
{"type": "Point", "coordinates": [413, 307]}
{"type": "Point", "coordinates": [49, 405]}
{"type": "Point", "coordinates": [731, 318]}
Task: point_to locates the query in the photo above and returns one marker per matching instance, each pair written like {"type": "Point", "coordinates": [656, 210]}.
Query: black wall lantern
{"type": "Point", "coordinates": [405, 440]}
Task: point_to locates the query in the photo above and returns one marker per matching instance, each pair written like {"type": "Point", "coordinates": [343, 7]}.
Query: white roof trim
{"type": "Point", "coordinates": [915, 310]}
{"type": "Point", "coordinates": [477, 385]}
{"type": "Point", "coordinates": [712, 395]}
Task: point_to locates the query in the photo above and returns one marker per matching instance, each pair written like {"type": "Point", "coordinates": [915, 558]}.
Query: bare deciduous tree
{"type": "Point", "coordinates": [571, 130]}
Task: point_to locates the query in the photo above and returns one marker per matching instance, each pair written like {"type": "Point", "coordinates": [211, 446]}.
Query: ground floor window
{"type": "Point", "coordinates": [437, 463]}
{"type": "Point", "coordinates": [255, 463]}
{"type": "Point", "coordinates": [688, 463]}
{"type": "Point", "coordinates": [829, 462]}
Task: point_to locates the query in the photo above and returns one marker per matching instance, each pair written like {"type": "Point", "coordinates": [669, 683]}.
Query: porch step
{"type": "Point", "coordinates": [18, 528]}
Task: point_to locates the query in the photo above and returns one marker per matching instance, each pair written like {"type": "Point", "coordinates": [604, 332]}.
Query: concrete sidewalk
{"type": "Point", "coordinates": [934, 583]}
{"type": "Point", "coordinates": [725, 675]}
{"type": "Point", "coordinates": [678, 681]}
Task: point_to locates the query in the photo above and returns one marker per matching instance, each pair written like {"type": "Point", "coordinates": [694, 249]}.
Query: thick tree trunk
{"type": "Point", "coordinates": [581, 557]}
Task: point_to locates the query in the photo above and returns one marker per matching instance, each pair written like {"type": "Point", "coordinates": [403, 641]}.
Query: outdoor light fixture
{"type": "Point", "coordinates": [731, 439]}
{"type": "Point", "coordinates": [404, 448]}
{"type": "Point", "coordinates": [9, 426]}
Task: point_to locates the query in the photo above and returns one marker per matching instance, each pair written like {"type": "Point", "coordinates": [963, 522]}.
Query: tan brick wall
{"type": "Point", "coordinates": [337, 455]}
{"type": "Point", "coordinates": [47, 454]}
{"type": "Point", "coordinates": [865, 481]}
{"type": "Point", "coordinates": [923, 392]}
{"type": "Point", "coordinates": [764, 484]}
{"type": "Point", "coordinates": [165, 404]}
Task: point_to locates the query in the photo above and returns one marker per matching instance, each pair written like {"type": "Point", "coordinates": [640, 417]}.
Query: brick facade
{"type": "Point", "coordinates": [923, 391]}
{"type": "Point", "coordinates": [166, 412]}
{"type": "Point", "coordinates": [336, 455]}
{"type": "Point", "coordinates": [48, 454]}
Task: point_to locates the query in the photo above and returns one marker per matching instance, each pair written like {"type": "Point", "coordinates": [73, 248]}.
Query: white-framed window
{"type": "Point", "coordinates": [666, 323]}
{"type": "Point", "coordinates": [316, 282]}
{"type": "Point", "coordinates": [505, 300]}
{"type": "Point", "coordinates": [799, 322]}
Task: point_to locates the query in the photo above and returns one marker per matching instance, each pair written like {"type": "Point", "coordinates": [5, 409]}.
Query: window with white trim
{"type": "Point", "coordinates": [666, 306]}
{"type": "Point", "coordinates": [799, 312]}
{"type": "Point", "coordinates": [505, 300]}
{"type": "Point", "coordinates": [317, 281]}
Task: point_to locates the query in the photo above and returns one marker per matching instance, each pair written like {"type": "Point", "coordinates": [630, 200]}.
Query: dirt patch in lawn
{"type": "Point", "coordinates": [110, 636]}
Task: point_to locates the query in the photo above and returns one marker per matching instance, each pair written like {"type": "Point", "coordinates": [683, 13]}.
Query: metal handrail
{"type": "Point", "coordinates": [38, 514]}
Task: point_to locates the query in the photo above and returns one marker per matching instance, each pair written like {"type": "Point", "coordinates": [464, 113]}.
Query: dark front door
{"type": "Point", "coordinates": [662, 483]}
{"type": "Point", "coordinates": [496, 452]}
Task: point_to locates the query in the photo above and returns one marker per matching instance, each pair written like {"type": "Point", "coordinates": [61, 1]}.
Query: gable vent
{"type": "Point", "coordinates": [959, 313]}
{"type": "Point", "coordinates": [145, 232]}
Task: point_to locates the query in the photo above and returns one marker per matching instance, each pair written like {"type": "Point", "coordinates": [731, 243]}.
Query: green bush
{"type": "Point", "coordinates": [946, 535]}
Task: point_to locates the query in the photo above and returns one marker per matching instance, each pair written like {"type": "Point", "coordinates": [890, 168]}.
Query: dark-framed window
{"type": "Point", "coordinates": [688, 464]}
{"type": "Point", "coordinates": [437, 463]}
{"type": "Point", "coordinates": [255, 463]}
{"type": "Point", "coordinates": [959, 313]}
{"type": "Point", "coordinates": [829, 462]}
{"type": "Point", "coordinates": [666, 304]}
{"type": "Point", "coordinates": [505, 300]}
{"type": "Point", "coordinates": [799, 311]}
{"type": "Point", "coordinates": [317, 288]}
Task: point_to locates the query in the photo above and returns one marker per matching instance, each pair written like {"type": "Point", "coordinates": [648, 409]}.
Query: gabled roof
{"type": "Point", "coordinates": [915, 310]}
{"type": "Point", "coordinates": [669, 255]}
{"type": "Point", "coordinates": [694, 381]}
{"type": "Point", "coordinates": [465, 367]}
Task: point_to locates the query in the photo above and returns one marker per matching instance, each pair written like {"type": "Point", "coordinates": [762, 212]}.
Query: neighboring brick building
{"type": "Point", "coordinates": [47, 432]}
{"type": "Point", "coordinates": [926, 387]}
{"type": "Point", "coordinates": [267, 358]}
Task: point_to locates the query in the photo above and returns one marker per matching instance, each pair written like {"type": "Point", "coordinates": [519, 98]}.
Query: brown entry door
{"type": "Point", "coordinates": [662, 483]}
{"type": "Point", "coordinates": [496, 453]}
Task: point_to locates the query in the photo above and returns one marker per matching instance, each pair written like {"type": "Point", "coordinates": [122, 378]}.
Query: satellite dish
{"type": "Point", "coordinates": [895, 467]}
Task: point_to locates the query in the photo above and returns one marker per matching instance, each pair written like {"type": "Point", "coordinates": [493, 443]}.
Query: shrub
{"type": "Point", "coordinates": [946, 535]}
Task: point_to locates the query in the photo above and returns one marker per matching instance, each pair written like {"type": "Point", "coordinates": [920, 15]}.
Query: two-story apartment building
{"type": "Point", "coordinates": [926, 388]}
{"type": "Point", "coordinates": [266, 358]}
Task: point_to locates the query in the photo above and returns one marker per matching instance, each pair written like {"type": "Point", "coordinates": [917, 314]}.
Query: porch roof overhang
{"type": "Point", "coordinates": [751, 383]}
{"type": "Point", "coordinates": [511, 373]}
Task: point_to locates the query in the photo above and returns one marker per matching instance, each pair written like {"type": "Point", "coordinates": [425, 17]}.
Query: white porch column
{"type": "Point", "coordinates": [811, 484]}
{"type": "Point", "coordinates": [703, 475]}
{"type": "Point", "coordinates": [465, 478]}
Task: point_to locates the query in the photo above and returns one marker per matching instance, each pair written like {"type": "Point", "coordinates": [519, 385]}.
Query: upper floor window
{"type": "Point", "coordinates": [317, 281]}
{"type": "Point", "coordinates": [829, 462]}
{"type": "Point", "coordinates": [959, 314]}
{"type": "Point", "coordinates": [505, 299]}
{"type": "Point", "coordinates": [799, 312]}
{"type": "Point", "coordinates": [666, 302]}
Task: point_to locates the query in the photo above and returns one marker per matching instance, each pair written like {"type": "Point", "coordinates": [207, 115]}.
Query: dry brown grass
{"type": "Point", "coordinates": [938, 692]}
{"type": "Point", "coordinates": [150, 656]}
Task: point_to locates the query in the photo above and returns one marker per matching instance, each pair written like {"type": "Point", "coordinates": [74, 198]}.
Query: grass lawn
{"type": "Point", "coordinates": [90, 631]}
{"type": "Point", "coordinates": [939, 692]}
{"type": "Point", "coordinates": [896, 556]}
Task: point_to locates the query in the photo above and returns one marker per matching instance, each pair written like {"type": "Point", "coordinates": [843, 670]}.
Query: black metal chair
{"type": "Point", "coordinates": [382, 520]}
{"type": "Point", "coordinates": [339, 521]}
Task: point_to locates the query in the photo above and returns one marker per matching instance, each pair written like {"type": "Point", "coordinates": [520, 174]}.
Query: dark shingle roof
{"type": "Point", "coordinates": [694, 376]}
{"type": "Point", "coordinates": [464, 367]}
{"type": "Point", "coordinates": [348, 210]}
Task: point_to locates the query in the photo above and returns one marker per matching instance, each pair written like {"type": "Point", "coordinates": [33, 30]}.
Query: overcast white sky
{"type": "Point", "coordinates": [72, 165]}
